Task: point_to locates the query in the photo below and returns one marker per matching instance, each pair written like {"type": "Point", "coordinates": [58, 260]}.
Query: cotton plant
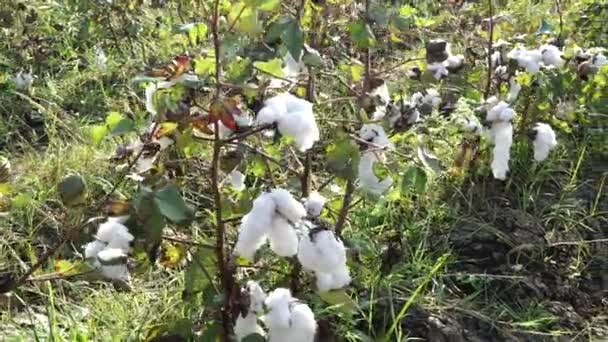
{"type": "Point", "coordinates": [532, 60]}
{"type": "Point", "coordinates": [314, 204]}
{"type": "Point", "coordinates": [294, 118]}
{"type": "Point", "coordinates": [110, 249]}
{"type": "Point", "coordinates": [272, 218]}
{"type": "Point", "coordinates": [247, 324]}
{"type": "Point", "coordinates": [288, 319]}
{"type": "Point", "coordinates": [544, 141]}
{"type": "Point", "coordinates": [322, 253]}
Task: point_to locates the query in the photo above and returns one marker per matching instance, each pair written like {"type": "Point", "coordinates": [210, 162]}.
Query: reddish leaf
{"type": "Point", "coordinates": [201, 124]}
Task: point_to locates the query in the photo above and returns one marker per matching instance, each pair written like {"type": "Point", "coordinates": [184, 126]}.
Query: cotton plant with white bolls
{"type": "Point", "coordinates": [544, 141]}
{"type": "Point", "coordinates": [314, 204]}
{"type": "Point", "coordinates": [500, 114]}
{"type": "Point", "coordinates": [528, 59]}
{"type": "Point", "coordinates": [288, 319]}
{"type": "Point", "coordinates": [109, 251]}
{"type": "Point", "coordinates": [294, 118]}
{"type": "Point", "coordinates": [248, 324]}
{"type": "Point", "coordinates": [272, 217]}
{"type": "Point", "coordinates": [324, 254]}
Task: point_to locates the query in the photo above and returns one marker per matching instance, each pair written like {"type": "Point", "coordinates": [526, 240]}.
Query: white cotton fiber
{"type": "Point", "coordinates": [283, 237]}
{"type": "Point", "coordinates": [368, 179]}
{"type": "Point", "coordinates": [325, 255]}
{"type": "Point", "coordinates": [294, 117]}
{"type": "Point", "coordinates": [288, 206]}
{"type": "Point", "coordinates": [331, 281]}
{"type": "Point", "coordinates": [529, 59]}
{"type": "Point", "coordinates": [237, 179]}
{"type": "Point", "coordinates": [500, 112]}
{"type": "Point", "coordinates": [288, 319]}
{"type": "Point", "coordinates": [501, 135]}
{"type": "Point", "coordinates": [454, 61]}
{"type": "Point", "coordinates": [255, 226]}
{"type": "Point", "coordinates": [115, 233]}
{"type": "Point", "coordinates": [514, 89]}
{"type": "Point", "coordinates": [112, 244]}
{"type": "Point", "coordinates": [110, 255]}
{"type": "Point", "coordinates": [382, 93]}
{"type": "Point", "coordinates": [116, 272]}
{"type": "Point", "coordinates": [599, 60]}
{"type": "Point", "coordinates": [551, 55]}
{"type": "Point", "coordinates": [544, 141]}
{"type": "Point", "coordinates": [439, 70]}
{"type": "Point", "coordinates": [93, 248]}
{"type": "Point", "coordinates": [432, 97]}
{"type": "Point", "coordinates": [376, 135]}
{"type": "Point", "coordinates": [246, 326]}
{"type": "Point", "coordinates": [256, 297]}
{"type": "Point", "coordinates": [314, 204]}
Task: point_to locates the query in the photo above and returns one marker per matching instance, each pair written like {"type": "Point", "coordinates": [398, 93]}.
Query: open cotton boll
{"type": "Point", "coordinates": [367, 178]}
{"type": "Point", "coordinates": [514, 89]}
{"type": "Point", "coordinates": [237, 180]}
{"type": "Point", "coordinates": [551, 55]}
{"type": "Point", "coordinates": [292, 67]}
{"type": "Point", "coordinates": [115, 272]}
{"type": "Point", "coordinates": [432, 97]}
{"type": "Point", "coordinates": [439, 70]}
{"type": "Point", "coordinates": [375, 134]}
{"type": "Point", "coordinates": [246, 326]}
{"type": "Point", "coordinates": [323, 253]}
{"type": "Point", "coordinates": [23, 80]}
{"type": "Point", "coordinates": [115, 233]}
{"type": "Point", "coordinates": [331, 281]}
{"type": "Point", "coordinates": [283, 237]}
{"type": "Point", "coordinates": [277, 303]}
{"type": "Point", "coordinates": [529, 59]}
{"type": "Point", "coordinates": [255, 226]}
{"type": "Point", "coordinates": [273, 109]}
{"type": "Point", "coordinates": [544, 141]}
{"type": "Point", "coordinates": [92, 249]}
{"type": "Point", "coordinates": [300, 125]}
{"type": "Point", "coordinates": [256, 297]}
{"type": "Point", "coordinates": [501, 135]}
{"type": "Point", "coordinates": [599, 60]}
{"type": "Point", "coordinates": [303, 324]}
{"type": "Point", "coordinates": [111, 255]}
{"type": "Point", "coordinates": [500, 112]}
{"type": "Point", "coordinates": [314, 204]}
{"type": "Point", "coordinates": [454, 62]}
{"type": "Point", "coordinates": [382, 93]}
{"type": "Point", "coordinates": [288, 206]}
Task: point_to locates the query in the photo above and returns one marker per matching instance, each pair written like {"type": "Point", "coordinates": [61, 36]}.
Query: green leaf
{"type": "Point", "coordinates": [98, 133]}
{"type": "Point", "coordinates": [72, 190]}
{"type": "Point", "coordinates": [113, 119]}
{"type": "Point", "coordinates": [239, 71]}
{"type": "Point", "coordinates": [197, 33]}
{"type": "Point", "coordinates": [263, 5]}
{"type": "Point", "coordinates": [198, 272]}
{"type": "Point", "coordinates": [379, 15]}
{"type": "Point", "coordinates": [545, 28]}
{"type": "Point", "coordinates": [276, 29]}
{"type": "Point", "coordinates": [339, 298]}
{"type": "Point", "coordinates": [171, 204]}
{"type": "Point", "coordinates": [293, 38]}
{"type": "Point", "coordinates": [407, 11]}
{"type": "Point", "coordinates": [149, 214]}
{"type": "Point", "coordinates": [343, 158]}
{"type": "Point", "coordinates": [204, 65]}
{"type": "Point", "coordinates": [414, 180]}
{"type": "Point", "coordinates": [248, 22]}
{"type": "Point", "coordinates": [254, 338]}
{"type": "Point", "coordinates": [401, 23]}
{"type": "Point", "coordinates": [123, 126]}
{"type": "Point", "coordinates": [273, 67]}
{"type": "Point", "coordinates": [361, 34]}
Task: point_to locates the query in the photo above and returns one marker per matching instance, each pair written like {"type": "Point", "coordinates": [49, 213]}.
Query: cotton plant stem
{"type": "Point", "coordinates": [348, 197]}
{"type": "Point", "coordinates": [490, 34]}
{"type": "Point", "coordinates": [225, 275]}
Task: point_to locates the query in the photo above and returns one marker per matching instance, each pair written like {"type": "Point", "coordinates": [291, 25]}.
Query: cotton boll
{"type": "Point", "coordinates": [382, 93]}
{"type": "Point", "coordinates": [375, 134]}
{"type": "Point", "coordinates": [237, 179]}
{"type": "Point", "coordinates": [432, 97]}
{"type": "Point", "coordinates": [599, 60]}
{"type": "Point", "coordinates": [367, 178]}
{"type": "Point", "coordinates": [256, 297]}
{"type": "Point", "coordinates": [292, 67]}
{"type": "Point", "coordinates": [100, 58]}
{"type": "Point", "coordinates": [246, 326]}
{"type": "Point", "coordinates": [115, 233]}
{"type": "Point", "coordinates": [111, 255]}
{"type": "Point", "coordinates": [302, 127]}
{"type": "Point", "coordinates": [252, 235]}
{"type": "Point", "coordinates": [23, 80]}
{"type": "Point", "coordinates": [514, 90]}
{"type": "Point", "coordinates": [323, 253]}
{"type": "Point", "coordinates": [551, 55]}
{"type": "Point", "coordinates": [91, 250]}
{"type": "Point", "coordinates": [115, 272]}
{"type": "Point", "coordinates": [283, 238]}
{"type": "Point", "coordinates": [454, 62]}
{"type": "Point", "coordinates": [496, 58]}
{"type": "Point", "coordinates": [314, 204]}
{"type": "Point", "coordinates": [273, 109]}
{"type": "Point", "coordinates": [287, 205]}
{"type": "Point", "coordinates": [303, 324]}
{"type": "Point", "coordinates": [500, 112]}
{"type": "Point", "coordinates": [529, 59]}
{"type": "Point", "coordinates": [471, 125]}
{"type": "Point", "coordinates": [417, 98]}
{"type": "Point", "coordinates": [279, 315]}
{"type": "Point", "coordinates": [439, 70]}
{"type": "Point", "coordinates": [501, 72]}
{"type": "Point", "coordinates": [331, 281]}
{"type": "Point", "coordinates": [544, 141]}
{"type": "Point", "coordinates": [501, 135]}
